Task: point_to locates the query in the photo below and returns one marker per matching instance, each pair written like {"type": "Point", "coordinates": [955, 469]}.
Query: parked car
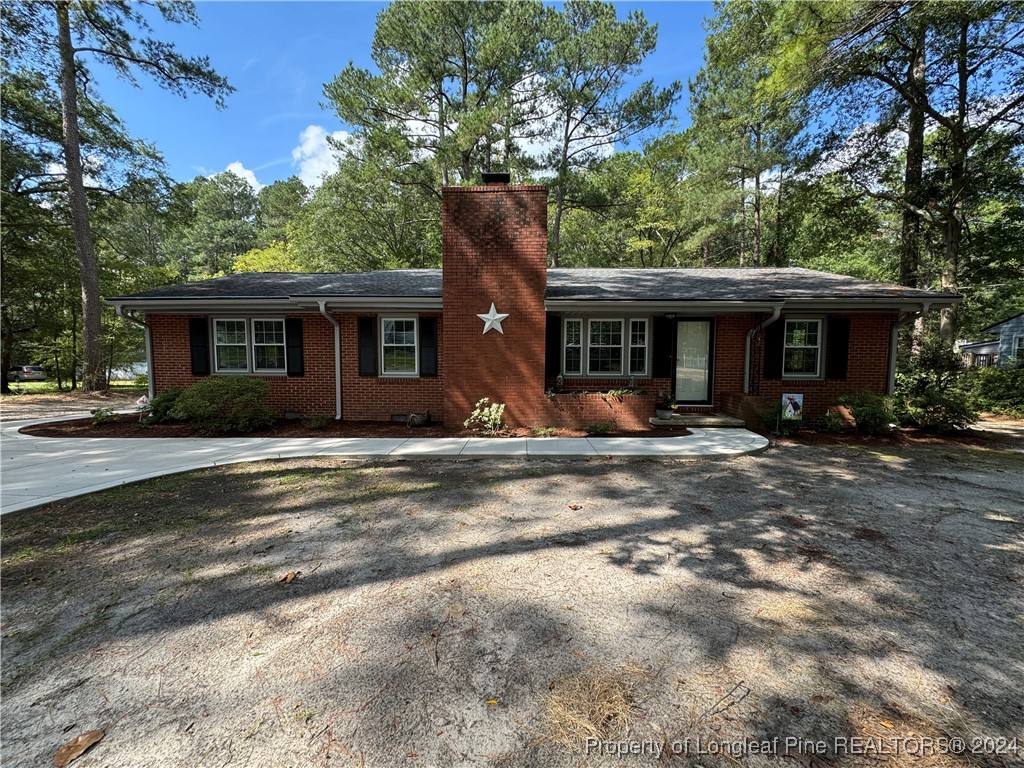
{"type": "Point", "coordinates": [26, 373]}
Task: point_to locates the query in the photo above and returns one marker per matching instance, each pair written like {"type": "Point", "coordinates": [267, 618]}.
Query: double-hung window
{"type": "Point", "coordinates": [399, 353]}
{"type": "Point", "coordinates": [268, 345]}
{"type": "Point", "coordinates": [604, 354]}
{"type": "Point", "coordinates": [572, 362]}
{"type": "Point", "coordinates": [801, 354]}
{"type": "Point", "coordinates": [248, 346]}
{"type": "Point", "coordinates": [605, 347]}
{"type": "Point", "coordinates": [231, 346]}
{"type": "Point", "coordinates": [637, 347]}
{"type": "Point", "coordinates": [1017, 350]}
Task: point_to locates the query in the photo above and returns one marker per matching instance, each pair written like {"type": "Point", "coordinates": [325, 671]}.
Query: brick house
{"type": "Point", "coordinates": [560, 347]}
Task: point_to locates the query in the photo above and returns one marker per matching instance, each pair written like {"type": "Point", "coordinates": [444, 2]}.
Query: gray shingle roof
{"type": "Point", "coordinates": [756, 285]}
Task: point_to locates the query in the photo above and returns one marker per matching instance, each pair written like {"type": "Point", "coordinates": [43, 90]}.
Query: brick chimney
{"type": "Point", "coordinates": [494, 250]}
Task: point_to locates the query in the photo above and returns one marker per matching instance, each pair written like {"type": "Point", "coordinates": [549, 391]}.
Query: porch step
{"type": "Point", "coordinates": [697, 420]}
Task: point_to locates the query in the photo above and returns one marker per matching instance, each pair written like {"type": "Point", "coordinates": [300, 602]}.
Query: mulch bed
{"type": "Point", "coordinates": [128, 425]}
{"type": "Point", "coordinates": [898, 437]}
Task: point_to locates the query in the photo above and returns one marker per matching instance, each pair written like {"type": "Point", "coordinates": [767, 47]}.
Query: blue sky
{"type": "Point", "coordinates": [278, 55]}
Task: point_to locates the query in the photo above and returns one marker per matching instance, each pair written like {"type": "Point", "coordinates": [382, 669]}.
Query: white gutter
{"type": "Point", "coordinates": [148, 332]}
{"type": "Point", "coordinates": [890, 383]}
{"type": "Point", "coordinates": [776, 311]}
{"type": "Point", "coordinates": [337, 358]}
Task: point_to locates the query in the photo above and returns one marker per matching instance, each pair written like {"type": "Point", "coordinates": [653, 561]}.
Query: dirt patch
{"type": "Point", "coordinates": [51, 405]}
{"type": "Point", "coordinates": [128, 425]}
{"type": "Point", "coordinates": [445, 612]}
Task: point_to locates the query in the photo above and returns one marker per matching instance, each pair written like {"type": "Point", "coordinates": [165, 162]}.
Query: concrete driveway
{"type": "Point", "coordinates": [39, 470]}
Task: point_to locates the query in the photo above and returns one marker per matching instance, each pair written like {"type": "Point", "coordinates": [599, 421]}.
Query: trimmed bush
{"type": "Point", "coordinates": [871, 412]}
{"type": "Point", "coordinates": [158, 410]}
{"type": "Point", "coordinates": [225, 404]}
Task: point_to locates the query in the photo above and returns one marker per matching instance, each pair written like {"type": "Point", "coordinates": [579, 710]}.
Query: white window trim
{"type": "Point", "coordinates": [565, 345]}
{"type": "Point", "coordinates": [623, 346]}
{"type": "Point", "coordinates": [381, 319]}
{"type": "Point", "coordinates": [1017, 339]}
{"type": "Point", "coordinates": [585, 372]}
{"type": "Point", "coordinates": [252, 344]}
{"type": "Point", "coordinates": [646, 347]}
{"type": "Point", "coordinates": [250, 354]}
{"type": "Point", "coordinates": [216, 357]}
{"type": "Point", "coordinates": [820, 347]}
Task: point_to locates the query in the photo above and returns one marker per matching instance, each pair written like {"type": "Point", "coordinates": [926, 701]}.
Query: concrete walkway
{"type": "Point", "coordinates": [39, 470]}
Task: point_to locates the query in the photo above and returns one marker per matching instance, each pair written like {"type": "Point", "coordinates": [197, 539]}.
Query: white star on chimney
{"type": "Point", "coordinates": [493, 320]}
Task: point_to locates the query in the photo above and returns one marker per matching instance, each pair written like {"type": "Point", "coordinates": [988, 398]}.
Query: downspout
{"type": "Point", "coordinates": [337, 358]}
{"type": "Point", "coordinates": [151, 390]}
{"type": "Point", "coordinates": [776, 311]}
{"type": "Point", "coordinates": [890, 384]}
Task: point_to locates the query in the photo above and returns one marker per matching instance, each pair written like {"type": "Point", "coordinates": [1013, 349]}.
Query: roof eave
{"type": "Point", "coordinates": [192, 305]}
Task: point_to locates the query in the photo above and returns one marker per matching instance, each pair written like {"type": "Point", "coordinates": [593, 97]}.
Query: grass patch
{"type": "Point", "coordinates": [594, 705]}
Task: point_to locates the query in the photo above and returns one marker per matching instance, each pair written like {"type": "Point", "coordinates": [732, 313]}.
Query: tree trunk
{"type": "Point", "coordinates": [5, 355]}
{"type": "Point", "coordinates": [556, 229]}
{"type": "Point", "coordinates": [92, 377]}
{"type": "Point", "coordinates": [953, 227]}
{"type": "Point", "coordinates": [743, 218]}
{"type": "Point", "coordinates": [913, 189]}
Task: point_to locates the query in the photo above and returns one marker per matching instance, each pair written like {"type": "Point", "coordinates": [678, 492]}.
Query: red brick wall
{"type": "Point", "coordinates": [868, 369]}
{"type": "Point", "coordinates": [494, 246]}
{"type": "Point", "coordinates": [312, 393]}
{"type": "Point", "coordinates": [377, 398]}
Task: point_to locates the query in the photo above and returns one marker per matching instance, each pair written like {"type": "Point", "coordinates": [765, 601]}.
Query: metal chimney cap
{"type": "Point", "coordinates": [493, 179]}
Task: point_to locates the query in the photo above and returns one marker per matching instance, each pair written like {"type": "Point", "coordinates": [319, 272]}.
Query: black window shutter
{"type": "Point", "coordinates": [774, 338]}
{"type": "Point", "coordinates": [553, 347]}
{"type": "Point", "coordinates": [837, 347]}
{"type": "Point", "coordinates": [367, 346]}
{"type": "Point", "coordinates": [199, 345]}
{"type": "Point", "coordinates": [663, 347]}
{"type": "Point", "coordinates": [428, 346]}
{"type": "Point", "coordinates": [293, 346]}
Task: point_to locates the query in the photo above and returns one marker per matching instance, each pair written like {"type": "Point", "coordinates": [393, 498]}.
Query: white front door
{"type": "Point", "coordinates": [693, 361]}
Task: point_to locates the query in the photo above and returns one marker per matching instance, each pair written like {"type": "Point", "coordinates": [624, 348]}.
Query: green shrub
{"type": "Point", "coordinates": [930, 391]}
{"type": "Point", "coordinates": [225, 404]}
{"type": "Point", "coordinates": [141, 380]}
{"type": "Point", "coordinates": [871, 412]}
{"type": "Point", "coordinates": [158, 410]}
{"type": "Point", "coordinates": [774, 424]}
{"type": "Point", "coordinates": [486, 417]}
{"type": "Point", "coordinates": [542, 431]}
{"type": "Point", "coordinates": [831, 423]}
{"type": "Point", "coordinates": [998, 390]}
{"type": "Point", "coordinates": [315, 422]}
{"type": "Point", "coordinates": [100, 415]}
{"type": "Point", "coordinates": [599, 429]}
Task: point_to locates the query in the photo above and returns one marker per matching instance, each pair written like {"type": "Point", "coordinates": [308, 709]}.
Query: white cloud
{"type": "Point", "coordinates": [241, 171]}
{"type": "Point", "coordinates": [314, 157]}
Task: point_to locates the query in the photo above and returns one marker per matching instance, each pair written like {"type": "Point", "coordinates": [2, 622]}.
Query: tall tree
{"type": "Point", "coordinates": [588, 57]}
{"type": "Point", "coordinates": [455, 87]}
{"type": "Point", "coordinates": [56, 39]}
{"type": "Point", "coordinates": [216, 226]}
{"type": "Point", "coordinates": [955, 69]}
{"type": "Point", "coordinates": [277, 205]}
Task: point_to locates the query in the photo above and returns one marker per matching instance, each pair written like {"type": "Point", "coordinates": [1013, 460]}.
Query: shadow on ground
{"type": "Point", "coordinates": [811, 593]}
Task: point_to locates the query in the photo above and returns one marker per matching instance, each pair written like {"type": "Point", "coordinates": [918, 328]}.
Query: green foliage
{"type": "Point", "coordinates": [101, 415]}
{"type": "Point", "coordinates": [141, 380]}
{"type": "Point", "coordinates": [774, 424]}
{"type": "Point", "coordinates": [831, 423]}
{"type": "Point", "coordinates": [929, 392]}
{"type": "Point", "coordinates": [318, 421]}
{"type": "Point", "coordinates": [225, 404]}
{"type": "Point", "coordinates": [872, 413]}
{"type": "Point", "coordinates": [542, 431]}
{"type": "Point", "coordinates": [596, 430]}
{"type": "Point", "coordinates": [158, 410]}
{"type": "Point", "coordinates": [998, 390]}
{"type": "Point", "coordinates": [486, 417]}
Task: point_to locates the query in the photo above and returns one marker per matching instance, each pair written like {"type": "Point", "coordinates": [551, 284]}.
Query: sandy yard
{"type": "Point", "coordinates": [528, 613]}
